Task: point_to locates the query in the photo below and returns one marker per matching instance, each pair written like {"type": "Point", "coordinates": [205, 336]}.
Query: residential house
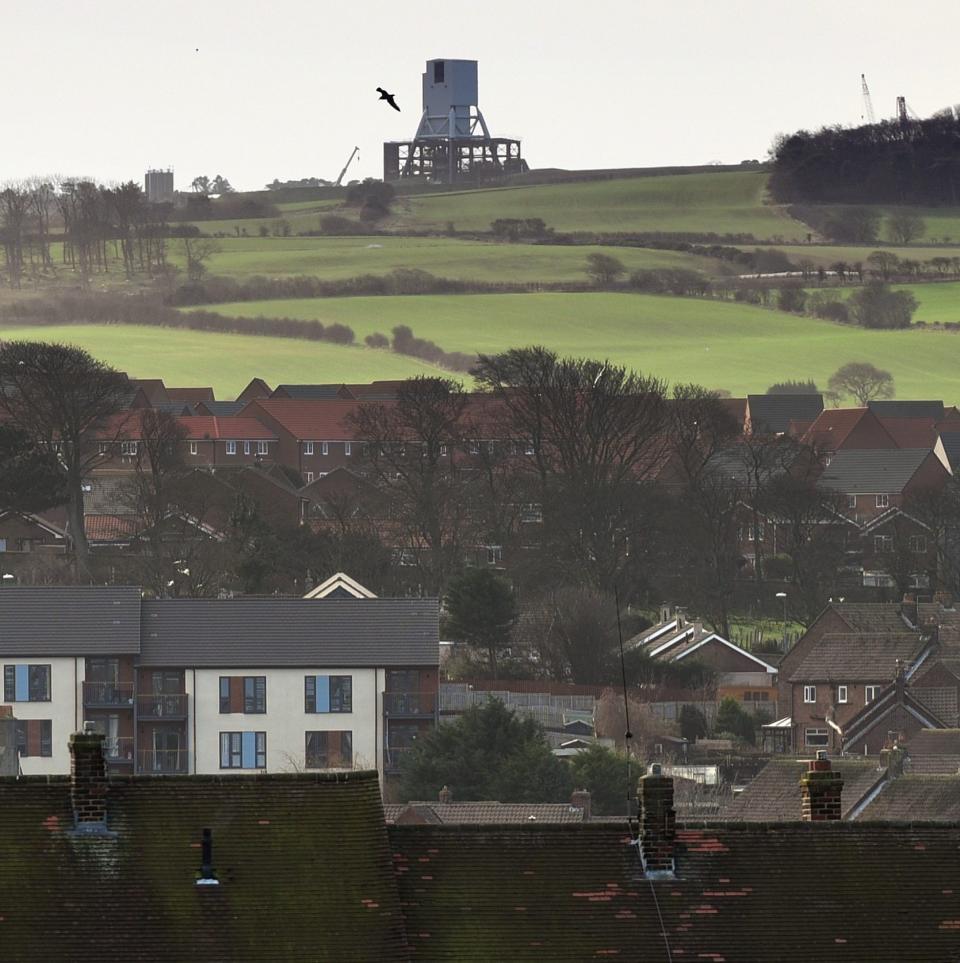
{"type": "Point", "coordinates": [217, 686]}
{"type": "Point", "coordinates": [25, 534]}
{"type": "Point", "coordinates": [315, 435]}
{"type": "Point", "coordinates": [215, 441]}
{"type": "Point", "coordinates": [257, 388]}
{"type": "Point", "coordinates": [745, 676]}
{"type": "Point", "coordinates": [837, 429]}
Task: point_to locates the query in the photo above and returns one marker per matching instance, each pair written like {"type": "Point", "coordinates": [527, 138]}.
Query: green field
{"type": "Point", "coordinates": [718, 344]}
{"type": "Point", "coordinates": [826, 254]}
{"type": "Point", "coordinates": [343, 257]}
{"type": "Point", "coordinates": [938, 302]}
{"type": "Point", "coordinates": [727, 203]}
{"type": "Point", "coordinates": [225, 361]}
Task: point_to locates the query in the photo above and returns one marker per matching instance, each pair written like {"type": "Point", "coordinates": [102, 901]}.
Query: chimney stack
{"type": "Point", "coordinates": [207, 876]}
{"type": "Point", "coordinates": [88, 780]}
{"type": "Point", "coordinates": [820, 790]}
{"type": "Point", "coordinates": [445, 796]}
{"type": "Point", "coordinates": [580, 799]}
{"type": "Point", "coordinates": [657, 821]}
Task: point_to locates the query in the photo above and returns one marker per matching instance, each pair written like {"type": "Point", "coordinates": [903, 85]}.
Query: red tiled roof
{"type": "Point", "coordinates": [192, 396]}
{"type": "Point", "coordinates": [308, 419]}
{"type": "Point", "coordinates": [234, 428]}
{"type": "Point", "coordinates": [110, 528]}
{"type": "Point", "coordinates": [912, 432]}
{"type": "Point", "coordinates": [833, 426]}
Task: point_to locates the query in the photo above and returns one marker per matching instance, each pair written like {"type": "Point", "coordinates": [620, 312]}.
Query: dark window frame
{"type": "Point", "coordinates": [253, 692]}
{"type": "Point", "coordinates": [234, 749]}
{"type": "Point", "coordinates": [39, 679]}
{"type": "Point", "coordinates": [318, 753]}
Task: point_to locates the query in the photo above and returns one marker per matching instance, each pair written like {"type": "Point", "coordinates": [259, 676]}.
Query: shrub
{"type": "Point", "coordinates": [377, 340]}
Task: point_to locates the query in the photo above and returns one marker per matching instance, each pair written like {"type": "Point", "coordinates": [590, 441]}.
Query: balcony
{"type": "Point", "coordinates": [410, 705]}
{"type": "Point", "coordinates": [118, 751]}
{"type": "Point", "coordinates": [166, 706]}
{"type": "Point", "coordinates": [162, 762]}
{"type": "Point", "coordinates": [107, 695]}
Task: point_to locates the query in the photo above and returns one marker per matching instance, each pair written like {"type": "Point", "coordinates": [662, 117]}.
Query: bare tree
{"type": "Point", "coordinates": [905, 226]}
{"type": "Point", "coordinates": [63, 398]}
{"type": "Point", "coordinates": [197, 251]}
{"type": "Point", "coordinates": [863, 381]}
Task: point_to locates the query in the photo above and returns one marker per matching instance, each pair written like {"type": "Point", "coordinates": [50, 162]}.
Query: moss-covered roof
{"type": "Point", "coordinates": [303, 861]}
{"type": "Point", "coordinates": [761, 891]}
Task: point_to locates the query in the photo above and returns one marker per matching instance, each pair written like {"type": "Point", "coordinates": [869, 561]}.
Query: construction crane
{"type": "Point", "coordinates": [867, 102]}
{"type": "Point", "coordinates": [905, 113]}
{"type": "Point", "coordinates": [345, 166]}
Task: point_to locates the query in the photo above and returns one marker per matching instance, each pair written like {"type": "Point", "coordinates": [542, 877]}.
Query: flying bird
{"type": "Point", "coordinates": [387, 97]}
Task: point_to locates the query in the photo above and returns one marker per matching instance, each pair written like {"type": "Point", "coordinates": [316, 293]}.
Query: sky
{"type": "Point", "coordinates": [256, 91]}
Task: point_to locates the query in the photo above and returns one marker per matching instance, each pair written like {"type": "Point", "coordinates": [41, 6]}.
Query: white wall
{"type": "Point", "coordinates": [63, 710]}
{"type": "Point", "coordinates": [285, 721]}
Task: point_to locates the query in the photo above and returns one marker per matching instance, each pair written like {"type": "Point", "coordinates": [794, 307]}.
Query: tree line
{"type": "Point", "coordinates": [891, 162]}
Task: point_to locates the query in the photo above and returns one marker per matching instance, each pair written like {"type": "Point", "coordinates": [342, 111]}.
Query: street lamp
{"type": "Point", "coordinates": [783, 595]}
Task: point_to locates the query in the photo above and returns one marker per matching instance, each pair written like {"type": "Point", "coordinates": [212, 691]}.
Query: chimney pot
{"type": "Point", "coordinates": [445, 796]}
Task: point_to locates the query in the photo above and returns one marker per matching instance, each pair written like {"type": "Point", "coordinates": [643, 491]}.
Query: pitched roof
{"type": "Point", "coordinates": [858, 658]}
{"type": "Point", "coordinates": [833, 426]}
{"type": "Point", "coordinates": [897, 705]}
{"type": "Point", "coordinates": [773, 795]}
{"type": "Point", "coordinates": [222, 409]}
{"type": "Point", "coordinates": [934, 751]}
{"type": "Point", "coordinates": [483, 813]}
{"type": "Point", "coordinates": [308, 420]}
{"type": "Point", "coordinates": [911, 432]}
{"type": "Point", "coordinates": [153, 389]}
{"type": "Point", "coordinates": [907, 409]}
{"type": "Point", "coordinates": [866, 471]}
{"type": "Point", "coordinates": [303, 862]}
{"type": "Point", "coordinates": [257, 388]}
{"type": "Point", "coordinates": [807, 891]}
{"type": "Point", "coordinates": [111, 528]}
{"type": "Point", "coordinates": [290, 632]}
{"type": "Point", "coordinates": [871, 617]}
{"type": "Point", "coordinates": [773, 413]}
{"type": "Point", "coordinates": [69, 620]}
{"type": "Point", "coordinates": [237, 428]}
{"type": "Point", "coordinates": [951, 447]}
{"type": "Point", "coordinates": [310, 391]}
{"type": "Point", "coordinates": [192, 396]}
{"type": "Point", "coordinates": [917, 798]}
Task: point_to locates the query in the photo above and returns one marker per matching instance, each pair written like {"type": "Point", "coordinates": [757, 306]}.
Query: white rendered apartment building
{"type": "Point", "coordinates": [218, 686]}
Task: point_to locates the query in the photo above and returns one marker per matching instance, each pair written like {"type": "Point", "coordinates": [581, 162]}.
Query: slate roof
{"type": "Point", "coordinates": [858, 658]}
{"type": "Point", "coordinates": [774, 793]}
{"type": "Point", "coordinates": [935, 751]}
{"type": "Point", "coordinates": [917, 798]}
{"type": "Point", "coordinates": [866, 471]}
{"type": "Point", "coordinates": [69, 620]}
{"type": "Point", "coordinates": [265, 632]}
{"type": "Point", "coordinates": [303, 861]}
{"type": "Point", "coordinates": [800, 892]}
{"type": "Point", "coordinates": [192, 396]}
{"type": "Point", "coordinates": [867, 617]}
{"type": "Point", "coordinates": [773, 413]}
{"type": "Point", "coordinates": [907, 409]}
{"type": "Point", "coordinates": [482, 813]}
{"type": "Point", "coordinates": [951, 447]}
{"type": "Point", "coordinates": [308, 391]}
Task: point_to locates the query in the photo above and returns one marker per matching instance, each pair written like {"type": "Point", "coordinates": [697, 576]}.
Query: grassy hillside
{"type": "Point", "coordinates": [737, 347]}
{"type": "Point", "coordinates": [721, 203]}
{"type": "Point", "coordinates": [342, 257]}
{"type": "Point", "coordinates": [937, 302]}
{"type": "Point", "coordinates": [225, 361]}
{"type": "Point", "coordinates": [827, 254]}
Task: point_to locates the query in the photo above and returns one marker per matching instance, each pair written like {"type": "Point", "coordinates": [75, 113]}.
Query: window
{"type": "Point", "coordinates": [438, 66]}
{"type": "Point", "coordinates": [851, 501]}
{"type": "Point", "coordinates": [128, 447]}
{"type": "Point", "coordinates": [35, 737]}
{"type": "Point", "coordinates": [243, 750]}
{"type": "Point", "coordinates": [816, 737]}
{"type": "Point", "coordinates": [529, 449]}
{"type": "Point", "coordinates": [309, 476]}
{"type": "Point", "coordinates": [263, 448]}
{"type": "Point", "coordinates": [758, 533]}
{"type": "Point", "coordinates": [443, 451]}
{"type": "Point", "coordinates": [870, 694]}
{"type": "Point", "coordinates": [231, 447]}
{"type": "Point", "coordinates": [246, 447]}
{"type": "Point", "coordinates": [494, 554]}
{"type": "Point", "coordinates": [3, 544]}
{"type": "Point", "coordinates": [883, 500]}
{"type": "Point", "coordinates": [243, 693]}
{"type": "Point", "coordinates": [308, 447]}
{"type": "Point", "coordinates": [103, 447]}
{"type": "Point", "coordinates": [26, 683]}
{"type": "Point", "coordinates": [193, 448]}
{"type": "Point", "coordinates": [841, 693]}
{"type": "Point", "coordinates": [328, 693]}
{"type": "Point", "coordinates": [531, 513]}
{"type": "Point", "coordinates": [474, 447]}
{"type": "Point", "coordinates": [882, 543]}
{"type": "Point", "coordinates": [918, 544]}
{"type": "Point", "coordinates": [324, 448]}
{"type": "Point", "coordinates": [347, 448]}
{"type": "Point", "coordinates": [809, 693]}
{"type": "Point", "coordinates": [328, 750]}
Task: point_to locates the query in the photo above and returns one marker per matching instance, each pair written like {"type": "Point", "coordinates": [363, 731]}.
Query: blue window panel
{"type": "Point", "coordinates": [323, 693]}
{"type": "Point", "coordinates": [23, 683]}
{"type": "Point", "coordinates": [249, 757]}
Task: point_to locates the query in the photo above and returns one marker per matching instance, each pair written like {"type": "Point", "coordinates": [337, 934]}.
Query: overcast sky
{"type": "Point", "coordinates": [256, 90]}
